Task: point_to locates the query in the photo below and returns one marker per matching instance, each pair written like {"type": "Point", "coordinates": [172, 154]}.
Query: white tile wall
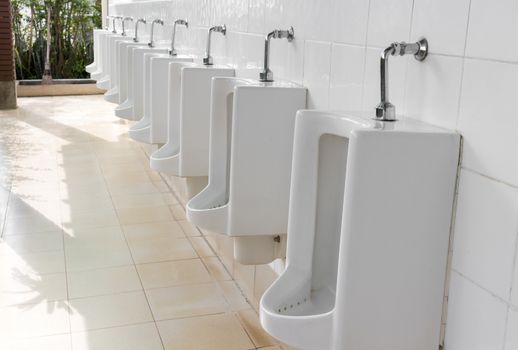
{"type": "Point", "coordinates": [468, 83]}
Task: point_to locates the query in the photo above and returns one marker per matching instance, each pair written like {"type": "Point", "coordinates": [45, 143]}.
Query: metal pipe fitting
{"type": "Point", "coordinates": [182, 22]}
{"type": "Point", "coordinates": [140, 20]}
{"type": "Point", "coordinates": [123, 27]}
{"type": "Point", "coordinates": [208, 60]}
{"type": "Point", "coordinates": [152, 33]}
{"type": "Point", "coordinates": [114, 18]}
{"type": "Point", "coordinates": [386, 111]}
{"type": "Point", "coordinates": [266, 74]}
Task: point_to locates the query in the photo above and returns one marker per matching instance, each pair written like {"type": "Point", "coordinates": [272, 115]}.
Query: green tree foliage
{"type": "Point", "coordinates": [71, 27]}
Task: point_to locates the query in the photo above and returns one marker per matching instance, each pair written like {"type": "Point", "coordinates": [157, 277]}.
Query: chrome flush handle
{"type": "Point", "coordinates": [266, 74]}
{"type": "Point", "coordinates": [151, 34]}
{"type": "Point", "coordinates": [140, 20]}
{"type": "Point", "coordinates": [386, 111]}
{"type": "Point", "coordinates": [208, 60]}
{"type": "Point", "coordinates": [181, 22]}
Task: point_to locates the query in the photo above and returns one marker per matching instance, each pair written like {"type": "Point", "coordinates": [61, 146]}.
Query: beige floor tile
{"type": "Point", "coordinates": [47, 318]}
{"type": "Point", "coordinates": [103, 281]}
{"type": "Point", "coordinates": [37, 223]}
{"type": "Point", "coordinates": [98, 218]}
{"type": "Point", "coordinates": [173, 273]}
{"type": "Point", "coordinates": [153, 229]}
{"type": "Point", "coordinates": [264, 277]}
{"type": "Point", "coordinates": [138, 200]}
{"type": "Point", "coordinates": [204, 333]}
{"type": "Point", "coordinates": [234, 296]}
{"type": "Point", "coordinates": [129, 216]}
{"type": "Point", "coordinates": [26, 288]}
{"type": "Point", "coordinates": [160, 248]}
{"type": "Point", "coordinates": [189, 229]}
{"type": "Point", "coordinates": [136, 188]}
{"type": "Point", "coordinates": [202, 248]}
{"type": "Point", "coordinates": [53, 342]}
{"type": "Point", "coordinates": [96, 248]}
{"type": "Point", "coordinates": [109, 311]}
{"type": "Point", "coordinates": [216, 269]}
{"type": "Point", "coordinates": [136, 337]}
{"type": "Point", "coordinates": [34, 243]}
{"type": "Point", "coordinates": [186, 301]}
{"type": "Point", "coordinates": [250, 321]}
{"type": "Point", "coordinates": [178, 212]}
{"type": "Point", "coordinates": [39, 263]}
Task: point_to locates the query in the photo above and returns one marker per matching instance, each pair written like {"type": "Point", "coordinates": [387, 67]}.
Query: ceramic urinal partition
{"type": "Point", "coordinates": [112, 95]}
{"type": "Point", "coordinates": [103, 81]}
{"type": "Point", "coordinates": [370, 215]}
{"type": "Point", "coordinates": [251, 144]}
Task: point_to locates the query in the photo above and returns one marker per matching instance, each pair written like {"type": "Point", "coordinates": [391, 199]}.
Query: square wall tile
{"type": "Point", "coordinates": [389, 21]}
{"type": "Point", "coordinates": [486, 228]}
{"type": "Point", "coordinates": [433, 90]}
{"type": "Point", "coordinates": [443, 22]}
{"type": "Point", "coordinates": [487, 119]}
{"type": "Point", "coordinates": [346, 78]}
{"type": "Point", "coordinates": [476, 319]}
{"type": "Point", "coordinates": [349, 21]}
{"type": "Point", "coordinates": [318, 14]}
{"type": "Point", "coordinates": [493, 22]}
{"type": "Point", "coordinates": [317, 64]}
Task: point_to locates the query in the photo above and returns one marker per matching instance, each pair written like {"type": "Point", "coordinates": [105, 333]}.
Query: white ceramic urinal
{"type": "Point", "coordinates": [155, 93]}
{"type": "Point", "coordinates": [99, 55]}
{"type": "Point", "coordinates": [369, 226]}
{"type": "Point", "coordinates": [112, 95]}
{"type": "Point", "coordinates": [187, 154]}
{"type": "Point", "coordinates": [251, 147]}
{"type": "Point", "coordinates": [94, 66]}
{"type": "Point", "coordinates": [124, 72]}
{"type": "Point", "coordinates": [104, 80]}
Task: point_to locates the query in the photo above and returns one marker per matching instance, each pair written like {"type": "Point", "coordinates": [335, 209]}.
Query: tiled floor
{"type": "Point", "coordinates": [94, 253]}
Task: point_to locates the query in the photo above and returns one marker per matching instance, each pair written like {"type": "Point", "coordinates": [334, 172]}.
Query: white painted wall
{"type": "Point", "coordinates": [468, 83]}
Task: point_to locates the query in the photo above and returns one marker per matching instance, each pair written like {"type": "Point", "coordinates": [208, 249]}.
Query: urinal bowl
{"type": "Point", "coordinates": [250, 166]}
{"type": "Point", "coordinates": [186, 154]}
{"type": "Point", "coordinates": [124, 71]}
{"type": "Point", "coordinates": [112, 95]}
{"type": "Point", "coordinates": [154, 84]}
{"type": "Point", "coordinates": [370, 216]}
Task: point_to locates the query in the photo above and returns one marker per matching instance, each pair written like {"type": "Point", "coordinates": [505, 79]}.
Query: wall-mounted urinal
{"type": "Point", "coordinates": [112, 95]}
{"type": "Point", "coordinates": [186, 153]}
{"type": "Point", "coordinates": [251, 145]}
{"type": "Point", "coordinates": [95, 65]}
{"type": "Point", "coordinates": [103, 82]}
{"type": "Point", "coordinates": [125, 78]}
{"type": "Point", "coordinates": [134, 75]}
{"type": "Point", "coordinates": [369, 224]}
{"type": "Point", "coordinates": [155, 91]}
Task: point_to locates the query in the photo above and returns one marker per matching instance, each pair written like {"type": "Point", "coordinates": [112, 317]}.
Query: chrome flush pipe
{"type": "Point", "coordinates": [266, 74]}
{"type": "Point", "coordinates": [114, 28]}
{"type": "Point", "coordinates": [140, 20]}
{"type": "Point", "coordinates": [183, 22]}
{"type": "Point", "coordinates": [123, 27]}
{"type": "Point", "coordinates": [151, 34]}
{"type": "Point", "coordinates": [208, 60]}
{"type": "Point", "coordinates": [385, 110]}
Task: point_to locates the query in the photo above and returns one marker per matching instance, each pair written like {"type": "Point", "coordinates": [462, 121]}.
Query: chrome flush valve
{"type": "Point", "coordinates": [386, 111]}
{"type": "Point", "coordinates": [208, 60]}
{"type": "Point", "coordinates": [140, 20]}
{"type": "Point", "coordinates": [114, 18]}
{"type": "Point", "coordinates": [151, 34]}
{"type": "Point", "coordinates": [266, 74]}
{"type": "Point", "coordinates": [182, 22]}
{"type": "Point", "coordinates": [123, 21]}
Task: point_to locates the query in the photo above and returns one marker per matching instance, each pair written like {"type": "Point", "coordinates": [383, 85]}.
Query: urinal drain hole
{"type": "Point", "coordinates": [291, 306]}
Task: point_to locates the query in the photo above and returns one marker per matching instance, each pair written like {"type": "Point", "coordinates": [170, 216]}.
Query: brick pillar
{"type": "Point", "coordinates": [7, 71]}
